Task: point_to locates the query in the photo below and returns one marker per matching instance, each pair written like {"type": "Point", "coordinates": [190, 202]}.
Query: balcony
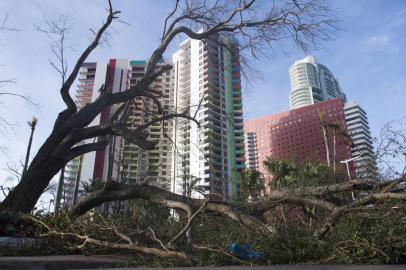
{"type": "Point", "coordinates": [237, 106]}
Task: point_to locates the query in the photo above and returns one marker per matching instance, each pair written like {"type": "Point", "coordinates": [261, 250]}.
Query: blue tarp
{"type": "Point", "coordinates": [243, 251]}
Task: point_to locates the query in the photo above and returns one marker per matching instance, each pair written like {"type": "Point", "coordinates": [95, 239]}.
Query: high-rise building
{"type": "Point", "coordinates": [362, 148]}
{"type": "Point", "coordinates": [297, 135]}
{"type": "Point", "coordinates": [189, 159]}
{"type": "Point", "coordinates": [154, 165]}
{"type": "Point", "coordinates": [87, 84]}
{"type": "Point", "coordinates": [122, 160]}
{"type": "Point", "coordinates": [311, 83]}
{"type": "Point", "coordinates": [251, 152]}
{"type": "Point", "coordinates": [207, 85]}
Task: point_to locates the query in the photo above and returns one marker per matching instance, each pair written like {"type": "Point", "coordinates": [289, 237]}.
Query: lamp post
{"type": "Point", "coordinates": [32, 124]}
{"type": "Point", "coordinates": [348, 171]}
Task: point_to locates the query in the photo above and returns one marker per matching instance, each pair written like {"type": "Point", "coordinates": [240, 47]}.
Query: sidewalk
{"type": "Point", "coordinates": [109, 262]}
{"type": "Point", "coordinates": [61, 262]}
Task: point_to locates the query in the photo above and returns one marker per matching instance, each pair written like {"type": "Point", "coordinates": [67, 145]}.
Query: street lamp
{"type": "Point", "coordinates": [346, 164]}
{"type": "Point", "coordinates": [348, 171]}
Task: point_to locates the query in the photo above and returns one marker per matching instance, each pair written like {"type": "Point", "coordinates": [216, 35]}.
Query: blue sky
{"type": "Point", "coordinates": [368, 57]}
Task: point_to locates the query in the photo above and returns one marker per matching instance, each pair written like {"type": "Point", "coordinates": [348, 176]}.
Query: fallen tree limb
{"type": "Point", "coordinates": [187, 227]}
{"type": "Point", "coordinates": [130, 245]}
{"type": "Point", "coordinates": [357, 184]}
{"type": "Point", "coordinates": [338, 212]}
{"type": "Point", "coordinates": [114, 191]}
{"type": "Point", "coordinates": [314, 195]}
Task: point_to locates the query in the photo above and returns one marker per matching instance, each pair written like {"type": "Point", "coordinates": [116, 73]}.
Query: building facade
{"type": "Point", "coordinates": [362, 144]}
{"type": "Point", "coordinates": [121, 160]}
{"type": "Point", "coordinates": [251, 151]}
{"type": "Point", "coordinates": [297, 135]}
{"type": "Point", "coordinates": [153, 166]}
{"type": "Point", "coordinates": [88, 81]}
{"type": "Point", "coordinates": [311, 83]}
{"type": "Point", "coordinates": [207, 85]}
{"type": "Point", "coordinates": [190, 159]}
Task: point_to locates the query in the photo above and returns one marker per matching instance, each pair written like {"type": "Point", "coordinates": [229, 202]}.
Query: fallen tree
{"type": "Point", "coordinates": [114, 191]}
{"type": "Point", "coordinates": [209, 225]}
{"type": "Point", "coordinates": [372, 192]}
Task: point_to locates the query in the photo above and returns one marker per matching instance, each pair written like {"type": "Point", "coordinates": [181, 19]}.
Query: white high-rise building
{"type": "Point", "coordinates": [251, 152]}
{"type": "Point", "coordinates": [311, 83]}
{"type": "Point", "coordinates": [206, 159]}
{"type": "Point", "coordinates": [361, 140]}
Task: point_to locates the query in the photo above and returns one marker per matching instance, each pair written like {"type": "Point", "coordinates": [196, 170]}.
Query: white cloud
{"type": "Point", "coordinates": [379, 40]}
{"type": "Point", "coordinates": [382, 42]}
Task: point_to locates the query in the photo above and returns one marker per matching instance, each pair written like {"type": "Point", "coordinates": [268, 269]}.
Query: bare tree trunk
{"type": "Point", "coordinates": [54, 152]}
{"type": "Point", "coordinates": [326, 145]}
{"type": "Point", "coordinates": [324, 131]}
{"type": "Point", "coordinates": [43, 167]}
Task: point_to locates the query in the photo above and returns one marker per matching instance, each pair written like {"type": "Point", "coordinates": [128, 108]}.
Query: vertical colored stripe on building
{"type": "Point", "coordinates": [232, 187]}
{"type": "Point", "coordinates": [100, 155]}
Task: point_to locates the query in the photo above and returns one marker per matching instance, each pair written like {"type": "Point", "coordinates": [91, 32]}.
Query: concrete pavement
{"type": "Point", "coordinates": [281, 267]}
